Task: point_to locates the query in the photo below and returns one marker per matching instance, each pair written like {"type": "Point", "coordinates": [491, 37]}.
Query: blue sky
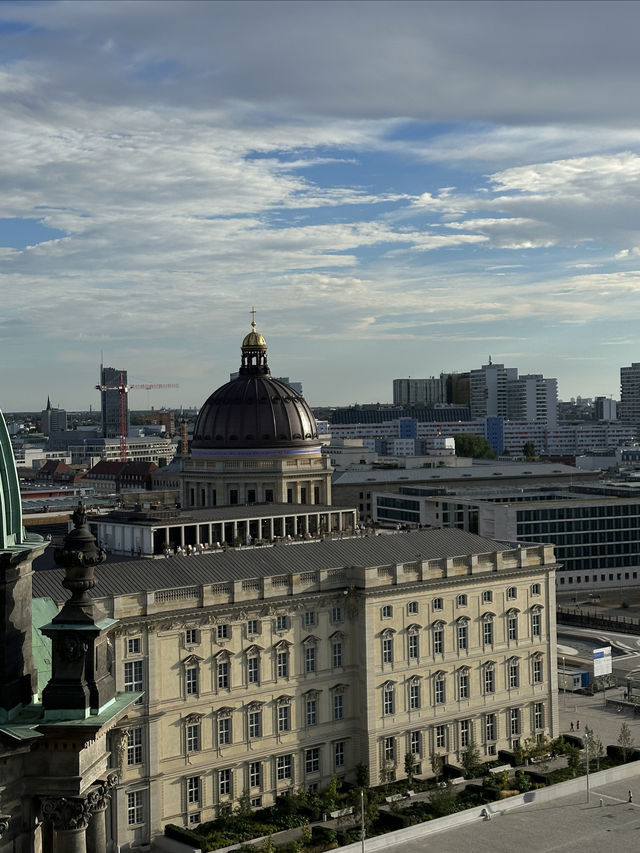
{"type": "Point", "coordinates": [399, 188]}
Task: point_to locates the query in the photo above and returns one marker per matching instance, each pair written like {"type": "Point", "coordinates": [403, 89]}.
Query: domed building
{"type": "Point", "coordinates": [255, 441]}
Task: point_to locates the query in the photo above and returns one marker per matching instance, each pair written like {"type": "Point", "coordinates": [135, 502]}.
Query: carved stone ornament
{"type": "Point", "coordinates": [120, 743]}
{"type": "Point", "coordinates": [72, 647]}
{"type": "Point", "coordinates": [4, 823]}
{"type": "Point", "coordinates": [99, 796]}
{"type": "Point", "coordinates": [67, 813]}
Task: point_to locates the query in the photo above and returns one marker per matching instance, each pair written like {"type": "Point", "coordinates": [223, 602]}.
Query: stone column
{"type": "Point", "coordinates": [98, 799]}
{"type": "Point", "coordinates": [70, 817]}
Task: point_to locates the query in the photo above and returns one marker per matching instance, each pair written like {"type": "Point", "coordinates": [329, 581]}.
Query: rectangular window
{"type": "Point", "coordinates": [193, 790]}
{"type": "Point", "coordinates": [191, 681]}
{"type": "Point", "coordinates": [465, 733]}
{"type": "Point", "coordinates": [438, 641]}
{"type": "Point", "coordinates": [223, 632]}
{"type": "Point", "coordinates": [281, 623]}
{"type": "Point", "coordinates": [255, 724]}
{"type": "Point", "coordinates": [514, 721]}
{"type": "Point", "coordinates": [283, 664]}
{"type": "Point", "coordinates": [255, 774]}
{"type": "Point", "coordinates": [309, 619]}
{"type": "Point", "coordinates": [191, 637]}
{"type": "Point", "coordinates": [311, 712]}
{"type": "Point", "coordinates": [253, 627]}
{"type": "Point", "coordinates": [253, 675]}
{"type": "Point", "coordinates": [310, 659]}
{"type": "Point", "coordinates": [414, 743]}
{"type": "Point", "coordinates": [441, 737]}
{"type": "Point", "coordinates": [512, 627]}
{"type": "Point", "coordinates": [537, 671]}
{"type": "Point", "coordinates": [193, 738]}
{"type": "Point", "coordinates": [133, 676]}
{"type": "Point", "coordinates": [133, 646]}
{"type": "Point", "coordinates": [135, 808]}
{"type": "Point", "coordinates": [490, 727]}
{"type": "Point", "coordinates": [387, 650]}
{"type": "Point", "coordinates": [440, 696]}
{"type": "Point", "coordinates": [312, 760]}
{"type": "Point", "coordinates": [336, 614]}
{"type": "Point", "coordinates": [284, 718]}
{"type": "Point", "coordinates": [389, 749]}
{"type": "Point", "coordinates": [487, 633]}
{"type": "Point", "coordinates": [284, 767]}
{"type": "Point", "coordinates": [224, 731]}
{"type": "Point", "coordinates": [223, 675]}
{"type": "Point", "coordinates": [338, 706]}
{"type": "Point", "coordinates": [224, 782]}
{"type": "Point", "coordinates": [489, 680]}
{"type": "Point", "coordinates": [336, 655]}
{"type": "Point", "coordinates": [413, 646]}
{"type": "Point", "coordinates": [134, 747]}
{"type": "Point", "coordinates": [463, 637]}
{"type": "Point", "coordinates": [514, 674]}
{"type": "Point", "coordinates": [388, 704]}
{"type": "Point", "coordinates": [414, 695]}
{"type": "Point", "coordinates": [463, 685]}
{"type": "Point", "coordinates": [536, 625]}
{"type": "Point", "coordinates": [338, 754]}
{"type": "Point", "coordinates": [538, 715]}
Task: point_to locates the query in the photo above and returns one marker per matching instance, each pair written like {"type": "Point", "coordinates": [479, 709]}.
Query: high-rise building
{"type": "Point", "coordinates": [630, 394]}
{"type": "Point", "coordinates": [605, 408]}
{"type": "Point", "coordinates": [53, 420]}
{"type": "Point", "coordinates": [111, 380]}
{"type": "Point", "coordinates": [531, 397]}
{"type": "Point", "coordinates": [489, 390]}
{"type": "Point", "coordinates": [419, 392]}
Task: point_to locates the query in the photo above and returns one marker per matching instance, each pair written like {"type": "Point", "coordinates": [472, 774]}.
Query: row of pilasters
{"type": "Point", "coordinates": [78, 824]}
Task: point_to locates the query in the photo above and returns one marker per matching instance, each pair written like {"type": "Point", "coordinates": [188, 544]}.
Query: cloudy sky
{"type": "Point", "coordinates": [399, 188]}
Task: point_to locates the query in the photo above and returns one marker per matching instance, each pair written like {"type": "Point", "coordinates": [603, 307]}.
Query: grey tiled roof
{"type": "Point", "coordinates": [146, 575]}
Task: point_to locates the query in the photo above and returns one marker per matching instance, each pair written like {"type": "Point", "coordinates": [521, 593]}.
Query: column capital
{"type": "Point", "coordinates": [99, 795]}
{"type": "Point", "coordinates": [67, 813]}
{"type": "Point", "coordinates": [4, 823]}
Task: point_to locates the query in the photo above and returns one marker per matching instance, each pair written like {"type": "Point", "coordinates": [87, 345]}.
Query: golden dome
{"type": "Point", "coordinates": [254, 338]}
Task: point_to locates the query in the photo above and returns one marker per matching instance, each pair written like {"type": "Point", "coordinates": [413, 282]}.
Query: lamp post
{"type": "Point", "coordinates": [362, 817]}
{"type": "Point", "coordinates": [564, 685]}
{"type": "Point", "coordinates": [586, 746]}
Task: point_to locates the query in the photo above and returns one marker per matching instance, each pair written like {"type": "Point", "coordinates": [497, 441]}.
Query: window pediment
{"type": "Point", "coordinates": [388, 633]}
{"type": "Point", "coordinates": [251, 651]}
{"type": "Point", "coordinates": [255, 706]}
{"type": "Point", "coordinates": [413, 629]}
{"type": "Point", "coordinates": [224, 712]}
{"type": "Point", "coordinates": [192, 660]}
{"type": "Point", "coordinates": [193, 719]}
{"type": "Point", "coordinates": [310, 641]}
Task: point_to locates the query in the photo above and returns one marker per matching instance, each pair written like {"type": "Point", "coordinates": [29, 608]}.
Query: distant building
{"type": "Point", "coordinates": [630, 394]}
{"type": "Point", "coordinates": [111, 400]}
{"type": "Point", "coordinates": [52, 420]}
{"type": "Point", "coordinates": [419, 392]}
{"type": "Point", "coordinates": [606, 409]}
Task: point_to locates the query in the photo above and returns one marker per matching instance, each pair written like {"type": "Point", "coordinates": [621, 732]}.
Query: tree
{"type": "Point", "coordinates": [471, 763]}
{"type": "Point", "coordinates": [437, 763]}
{"type": "Point", "coordinates": [443, 800]}
{"type": "Point", "coordinates": [409, 767]}
{"type": "Point", "coordinates": [474, 446]}
{"type": "Point", "coordinates": [596, 748]}
{"type": "Point", "coordinates": [537, 748]}
{"type": "Point", "coordinates": [362, 775]}
{"type": "Point", "coordinates": [625, 741]}
{"type": "Point", "coordinates": [529, 450]}
{"type": "Point", "coordinates": [330, 795]}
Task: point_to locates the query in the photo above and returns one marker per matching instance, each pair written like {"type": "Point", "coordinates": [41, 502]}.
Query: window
{"type": "Point", "coordinates": [412, 608]}
{"type": "Point", "coordinates": [282, 623]}
{"type": "Point", "coordinates": [388, 699]}
{"type": "Point", "coordinates": [537, 670]}
{"type": "Point", "coordinates": [438, 639]}
{"type": "Point", "coordinates": [414, 743]}
{"type": "Point", "coordinates": [135, 808]}
{"type": "Point", "coordinates": [310, 658]}
{"type": "Point", "coordinates": [283, 664]}
{"type": "Point", "coordinates": [536, 623]}
{"type": "Point", "coordinates": [338, 706]}
{"type": "Point", "coordinates": [195, 818]}
{"type": "Point", "coordinates": [133, 646]}
{"type": "Point", "coordinates": [440, 692]}
{"type": "Point", "coordinates": [224, 782]}
{"type": "Point", "coordinates": [414, 695]}
{"type": "Point", "coordinates": [223, 632]}
{"type": "Point", "coordinates": [487, 631]}
{"type": "Point", "coordinates": [193, 737]}
{"type": "Point", "coordinates": [512, 625]}
{"type": "Point", "coordinates": [191, 680]}
{"type": "Point", "coordinates": [437, 604]}
{"type": "Point", "coordinates": [536, 589]}
{"type": "Point", "coordinates": [514, 673]}
{"type": "Point", "coordinates": [311, 712]}
{"type": "Point", "coordinates": [338, 754]}
{"type": "Point", "coordinates": [193, 790]}
{"type": "Point", "coordinates": [512, 593]}
{"type": "Point", "coordinates": [463, 636]}
{"type": "Point", "coordinates": [133, 676]}
{"type": "Point", "coordinates": [134, 747]}
{"type": "Point", "coordinates": [514, 721]}
{"type": "Point", "coordinates": [487, 596]}
{"type": "Point", "coordinates": [441, 737]}
{"type": "Point", "coordinates": [253, 627]}
{"type": "Point", "coordinates": [253, 670]}
{"type": "Point", "coordinates": [413, 644]}
{"type": "Point", "coordinates": [223, 674]}
{"type": "Point", "coordinates": [336, 654]}
{"type": "Point", "coordinates": [224, 731]}
{"type": "Point", "coordinates": [389, 746]}
{"type": "Point", "coordinates": [386, 612]}
{"type": "Point", "coordinates": [336, 614]}
{"type": "Point", "coordinates": [463, 684]}
{"type": "Point", "coordinates": [284, 767]}
{"type": "Point", "coordinates": [284, 718]}
{"type": "Point", "coordinates": [312, 760]}
{"type": "Point", "coordinates": [538, 715]}
{"type": "Point", "coordinates": [387, 648]}
{"type": "Point", "coordinates": [191, 637]}
{"type": "Point", "coordinates": [489, 679]}
{"type": "Point", "coordinates": [255, 774]}
{"type": "Point", "coordinates": [461, 600]}
{"type": "Point", "coordinates": [255, 724]}
{"type": "Point", "coordinates": [465, 733]}
{"type": "Point", "coordinates": [490, 727]}
{"type": "Point", "coordinates": [309, 619]}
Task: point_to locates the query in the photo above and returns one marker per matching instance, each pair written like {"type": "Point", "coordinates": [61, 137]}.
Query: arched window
{"type": "Point", "coordinates": [487, 596]}
{"type": "Point", "coordinates": [461, 600]}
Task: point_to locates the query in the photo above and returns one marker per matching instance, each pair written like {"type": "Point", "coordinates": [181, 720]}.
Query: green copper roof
{"type": "Point", "coordinates": [12, 533]}
{"type": "Point", "coordinates": [43, 609]}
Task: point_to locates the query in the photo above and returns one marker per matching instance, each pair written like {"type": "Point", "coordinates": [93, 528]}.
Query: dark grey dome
{"type": "Point", "coordinates": [254, 410]}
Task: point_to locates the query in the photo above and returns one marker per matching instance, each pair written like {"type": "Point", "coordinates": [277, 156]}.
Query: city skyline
{"type": "Point", "coordinates": [399, 188]}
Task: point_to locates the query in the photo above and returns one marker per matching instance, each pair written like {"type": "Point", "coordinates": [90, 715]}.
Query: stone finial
{"type": "Point", "coordinates": [78, 557]}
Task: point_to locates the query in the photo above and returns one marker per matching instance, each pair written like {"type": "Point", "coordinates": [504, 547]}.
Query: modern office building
{"type": "Point", "coordinates": [629, 412]}
{"type": "Point", "coordinates": [268, 670]}
{"type": "Point", "coordinates": [52, 420]}
{"type": "Point", "coordinates": [114, 403]}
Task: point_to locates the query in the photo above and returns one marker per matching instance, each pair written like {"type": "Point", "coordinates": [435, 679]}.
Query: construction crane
{"type": "Point", "coordinates": [123, 389]}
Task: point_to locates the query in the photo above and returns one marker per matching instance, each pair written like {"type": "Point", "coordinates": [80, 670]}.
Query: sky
{"type": "Point", "coordinates": [399, 188]}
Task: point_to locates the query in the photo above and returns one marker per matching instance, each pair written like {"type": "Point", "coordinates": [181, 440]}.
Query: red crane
{"type": "Point", "coordinates": [123, 389]}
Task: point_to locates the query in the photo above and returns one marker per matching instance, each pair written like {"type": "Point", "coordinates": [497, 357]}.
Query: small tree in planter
{"type": "Point", "coordinates": [625, 741]}
{"type": "Point", "coordinates": [596, 749]}
{"type": "Point", "coordinates": [471, 763]}
{"type": "Point", "coordinates": [437, 763]}
{"type": "Point", "coordinates": [410, 767]}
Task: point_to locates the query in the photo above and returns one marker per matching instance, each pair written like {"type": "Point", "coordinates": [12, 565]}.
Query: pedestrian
{"type": "Point", "coordinates": [578, 726]}
{"type": "Point", "coordinates": [630, 796]}
{"type": "Point", "coordinates": [571, 727]}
